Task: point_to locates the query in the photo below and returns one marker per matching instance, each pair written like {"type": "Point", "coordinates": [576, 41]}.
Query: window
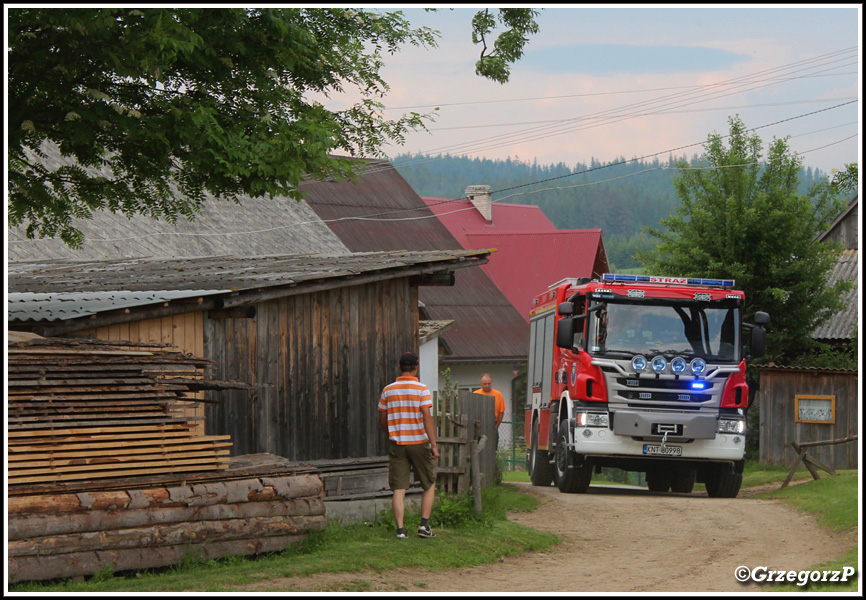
{"type": "Point", "coordinates": [815, 409]}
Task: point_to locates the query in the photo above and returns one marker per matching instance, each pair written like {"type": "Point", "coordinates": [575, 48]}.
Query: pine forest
{"type": "Point", "coordinates": [620, 197]}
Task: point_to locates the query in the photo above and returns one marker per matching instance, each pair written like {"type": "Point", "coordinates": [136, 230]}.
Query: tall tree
{"type": "Point", "coordinates": [154, 108]}
{"type": "Point", "coordinates": [742, 218]}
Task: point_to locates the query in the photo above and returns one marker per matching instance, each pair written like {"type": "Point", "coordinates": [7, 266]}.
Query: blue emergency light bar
{"type": "Point", "coordinates": [613, 278]}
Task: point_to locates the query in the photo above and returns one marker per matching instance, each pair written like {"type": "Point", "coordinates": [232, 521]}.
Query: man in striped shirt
{"type": "Point", "coordinates": [404, 414]}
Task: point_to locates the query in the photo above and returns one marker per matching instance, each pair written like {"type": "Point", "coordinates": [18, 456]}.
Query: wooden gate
{"type": "Point", "coordinates": [460, 418]}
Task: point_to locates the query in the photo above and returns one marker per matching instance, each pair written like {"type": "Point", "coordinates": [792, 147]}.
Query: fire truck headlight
{"type": "Point", "coordinates": [588, 419]}
{"type": "Point", "coordinates": [678, 365]}
{"type": "Point", "coordinates": [698, 366]}
{"type": "Point", "coordinates": [638, 363]}
{"type": "Point", "coordinates": [732, 426]}
{"type": "Point", "coordinates": [659, 364]}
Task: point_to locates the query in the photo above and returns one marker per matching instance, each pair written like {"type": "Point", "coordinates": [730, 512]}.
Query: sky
{"type": "Point", "coordinates": [619, 81]}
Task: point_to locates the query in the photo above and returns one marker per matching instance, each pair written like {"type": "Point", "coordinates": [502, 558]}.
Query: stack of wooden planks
{"type": "Point", "coordinates": [82, 532]}
{"type": "Point", "coordinates": [88, 409]}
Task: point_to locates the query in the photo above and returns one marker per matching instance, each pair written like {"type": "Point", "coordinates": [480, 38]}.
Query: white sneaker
{"type": "Point", "coordinates": [424, 531]}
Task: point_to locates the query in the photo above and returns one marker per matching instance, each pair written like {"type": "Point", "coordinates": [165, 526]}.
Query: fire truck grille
{"type": "Point", "coordinates": [663, 396]}
{"type": "Point", "coordinates": [660, 384]}
{"type": "Point", "coordinates": [665, 392]}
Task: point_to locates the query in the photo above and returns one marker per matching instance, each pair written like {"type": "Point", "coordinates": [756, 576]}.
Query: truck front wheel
{"type": "Point", "coordinates": [570, 476]}
{"type": "Point", "coordinates": [540, 469]}
{"type": "Point", "coordinates": [723, 481]}
{"type": "Point", "coordinates": [683, 481]}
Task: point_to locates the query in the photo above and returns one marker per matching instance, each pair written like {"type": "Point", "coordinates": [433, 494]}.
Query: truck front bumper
{"type": "Point", "coordinates": [598, 441]}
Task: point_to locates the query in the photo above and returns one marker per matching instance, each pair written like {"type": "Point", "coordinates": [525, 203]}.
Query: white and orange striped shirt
{"type": "Point", "coordinates": [402, 400]}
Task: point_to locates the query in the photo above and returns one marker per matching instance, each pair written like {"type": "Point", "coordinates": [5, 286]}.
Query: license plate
{"type": "Point", "coordinates": [666, 451]}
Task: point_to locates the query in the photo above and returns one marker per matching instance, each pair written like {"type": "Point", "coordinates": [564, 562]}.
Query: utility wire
{"type": "Point", "coordinates": [657, 105]}
{"type": "Point", "coordinates": [378, 216]}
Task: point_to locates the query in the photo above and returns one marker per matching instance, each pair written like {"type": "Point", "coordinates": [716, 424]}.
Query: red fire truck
{"type": "Point", "coordinates": [640, 373]}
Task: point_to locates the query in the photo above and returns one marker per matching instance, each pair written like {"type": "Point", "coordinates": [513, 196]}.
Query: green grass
{"type": "Point", "coordinates": [755, 474]}
{"type": "Point", "coordinates": [461, 541]}
{"type": "Point", "coordinates": [834, 501]}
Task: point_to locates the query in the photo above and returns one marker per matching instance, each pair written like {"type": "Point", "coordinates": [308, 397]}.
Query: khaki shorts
{"type": "Point", "coordinates": [417, 457]}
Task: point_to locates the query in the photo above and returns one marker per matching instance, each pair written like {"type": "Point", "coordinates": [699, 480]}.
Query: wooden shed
{"type": "Point", "coordinates": [316, 336]}
{"type": "Point", "coordinates": [808, 405]}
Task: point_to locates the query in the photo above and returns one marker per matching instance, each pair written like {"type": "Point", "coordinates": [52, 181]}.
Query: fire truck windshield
{"type": "Point", "coordinates": [627, 328]}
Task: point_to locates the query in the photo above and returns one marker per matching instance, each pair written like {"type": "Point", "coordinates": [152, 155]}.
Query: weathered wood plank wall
{"type": "Point", "coordinates": [778, 427]}
{"type": "Point", "coordinates": [319, 362]}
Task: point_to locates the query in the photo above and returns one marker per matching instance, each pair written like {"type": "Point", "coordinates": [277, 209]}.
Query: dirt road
{"type": "Point", "coordinates": [627, 540]}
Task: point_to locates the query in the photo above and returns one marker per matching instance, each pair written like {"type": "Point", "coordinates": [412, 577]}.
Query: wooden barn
{"type": "Point", "coordinates": [381, 212]}
{"type": "Point", "coordinates": [316, 337]}
{"type": "Point", "coordinates": [808, 405]}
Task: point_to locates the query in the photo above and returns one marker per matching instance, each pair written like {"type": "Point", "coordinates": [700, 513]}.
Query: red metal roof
{"type": "Point", "coordinates": [461, 217]}
{"type": "Point", "coordinates": [527, 263]}
{"type": "Point", "coordinates": [531, 253]}
{"type": "Point", "coordinates": [379, 212]}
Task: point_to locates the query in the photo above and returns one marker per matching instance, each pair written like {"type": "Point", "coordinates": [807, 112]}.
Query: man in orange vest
{"type": "Point", "coordinates": [405, 415]}
{"type": "Point", "coordinates": [499, 408]}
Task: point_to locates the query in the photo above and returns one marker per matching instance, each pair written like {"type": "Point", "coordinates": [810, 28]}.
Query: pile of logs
{"type": "Point", "coordinates": [109, 467]}
{"type": "Point", "coordinates": [71, 534]}
{"type": "Point", "coordinates": [87, 409]}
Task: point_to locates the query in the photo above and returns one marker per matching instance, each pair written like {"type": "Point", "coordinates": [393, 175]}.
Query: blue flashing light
{"type": "Point", "coordinates": [724, 283]}
{"type": "Point", "coordinates": [699, 385]}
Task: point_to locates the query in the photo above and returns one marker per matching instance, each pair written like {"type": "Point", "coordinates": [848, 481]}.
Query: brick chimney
{"type": "Point", "coordinates": [479, 195]}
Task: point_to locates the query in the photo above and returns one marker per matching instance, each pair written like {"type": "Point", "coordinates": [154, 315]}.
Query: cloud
{"type": "Point", "coordinates": [608, 59]}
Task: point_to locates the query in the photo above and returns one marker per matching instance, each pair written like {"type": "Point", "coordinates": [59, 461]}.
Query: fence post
{"type": "Point", "coordinates": [477, 447]}
{"type": "Point", "coordinates": [810, 462]}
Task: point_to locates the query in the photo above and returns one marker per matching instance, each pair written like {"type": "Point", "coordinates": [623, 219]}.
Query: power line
{"type": "Point", "coordinates": [672, 112]}
{"type": "Point", "coordinates": [719, 89]}
{"type": "Point", "coordinates": [587, 95]}
{"type": "Point", "coordinates": [378, 216]}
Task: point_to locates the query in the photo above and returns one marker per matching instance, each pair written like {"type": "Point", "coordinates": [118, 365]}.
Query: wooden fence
{"type": "Point", "coordinates": [812, 463]}
{"type": "Point", "coordinates": [461, 418]}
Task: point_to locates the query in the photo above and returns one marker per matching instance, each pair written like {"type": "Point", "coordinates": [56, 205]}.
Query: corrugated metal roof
{"type": "Point", "coordinates": [253, 227]}
{"type": "Point", "coordinates": [842, 325]}
{"type": "Point", "coordinates": [382, 212]}
{"type": "Point", "coordinates": [461, 217]}
{"type": "Point", "coordinates": [28, 306]}
{"type": "Point", "coordinates": [527, 263]}
{"type": "Point", "coordinates": [66, 289]}
{"type": "Point", "coordinates": [530, 252]}
{"type": "Point", "coordinates": [427, 330]}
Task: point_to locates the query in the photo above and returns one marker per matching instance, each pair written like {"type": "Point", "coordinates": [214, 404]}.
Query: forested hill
{"type": "Point", "coordinates": [621, 197]}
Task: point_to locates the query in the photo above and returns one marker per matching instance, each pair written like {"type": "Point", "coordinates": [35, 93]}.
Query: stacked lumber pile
{"type": "Point", "coordinates": [88, 409]}
{"type": "Point", "coordinates": [72, 534]}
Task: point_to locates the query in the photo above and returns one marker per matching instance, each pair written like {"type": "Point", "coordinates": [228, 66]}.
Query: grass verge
{"type": "Point", "coordinates": [834, 501]}
{"type": "Point", "coordinates": [462, 540]}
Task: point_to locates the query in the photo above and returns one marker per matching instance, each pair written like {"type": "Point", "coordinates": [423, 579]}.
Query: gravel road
{"type": "Point", "coordinates": [626, 540]}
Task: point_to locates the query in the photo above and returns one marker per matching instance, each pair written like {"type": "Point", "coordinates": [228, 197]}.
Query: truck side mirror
{"type": "Point", "coordinates": [759, 334]}
{"type": "Point", "coordinates": [565, 333]}
{"type": "Point", "coordinates": [759, 342]}
{"type": "Point", "coordinates": [565, 309]}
